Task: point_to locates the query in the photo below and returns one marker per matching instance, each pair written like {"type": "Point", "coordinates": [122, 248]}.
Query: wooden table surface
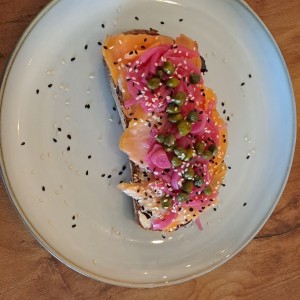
{"type": "Point", "coordinates": [268, 268]}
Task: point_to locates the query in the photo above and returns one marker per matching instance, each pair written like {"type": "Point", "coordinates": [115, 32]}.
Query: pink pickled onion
{"type": "Point", "coordinates": [161, 224]}
{"type": "Point", "coordinates": [198, 223]}
{"type": "Point", "coordinates": [198, 127]}
{"type": "Point", "coordinates": [159, 157]}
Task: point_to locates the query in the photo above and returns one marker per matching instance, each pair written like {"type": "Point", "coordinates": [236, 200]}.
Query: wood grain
{"type": "Point", "coordinates": [268, 268]}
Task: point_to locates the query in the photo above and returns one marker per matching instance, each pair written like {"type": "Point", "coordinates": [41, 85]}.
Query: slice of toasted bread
{"type": "Point", "coordinates": [152, 216]}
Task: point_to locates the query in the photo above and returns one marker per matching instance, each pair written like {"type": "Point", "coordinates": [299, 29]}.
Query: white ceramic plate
{"type": "Point", "coordinates": [47, 95]}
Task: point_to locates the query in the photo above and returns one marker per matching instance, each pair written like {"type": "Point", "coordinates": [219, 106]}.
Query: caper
{"type": "Point", "coordinates": [194, 78]}
{"type": "Point", "coordinates": [166, 202]}
{"type": "Point", "coordinates": [153, 83]}
{"type": "Point", "coordinates": [176, 162]}
{"type": "Point", "coordinates": [189, 174]}
{"type": "Point", "coordinates": [159, 73]}
{"type": "Point", "coordinates": [179, 98]}
{"type": "Point", "coordinates": [198, 182]}
{"type": "Point", "coordinates": [184, 127]}
{"type": "Point", "coordinates": [169, 140]}
{"type": "Point", "coordinates": [213, 149]}
{"type": "Point", "coordinates": [207, 154]}
{"type": "Point", "coordinates": [207, 190]}
{"type": "Point", "coordinates": [169, 148]}
{"type": "Point", "coordinates": [173, 109]}
{"type": "Point", "coordinates": [189, 154]}
{"type": "Point", "coordinates": [188, 186]}
{"type": "Point", "coordinates": [181, 153]}
{"type": "Point", "coordinates": [200, 147]}
{"type": "Point", "coordinates": [175, 118]}
{"type": "Point", "coordinates": [183, 197]}
{"type": "Point", "coordinates": [193, 116]}
{"type": "Point", "coordinates": [168, 67]}
{"type": "Point", "coordinates": [160, 138]}
{"type": "Point", "coordinates": [172, 82]}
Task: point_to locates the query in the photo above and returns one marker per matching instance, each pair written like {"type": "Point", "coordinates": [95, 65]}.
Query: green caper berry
{"type": "Point", "coordinates": [179, 98]}
{"type": "Point", "coordinates": [172, 82]}
{"type": "Point", "coordinates": [175, 118]}
{"type": "Point", "coordinates": [168, 67]}
{"type": "Point", "coordinates": [176, 162]}
{"type": "Point", "coordinates": [207, 154]}
{"type": "Point", "coordinates": [169, 148]}
{"type": "Point", "coordinates": [181, 153]}
{"type": "Point", "coordinates": [213, 149]}
{"type": "Point", "coordinates": [169, 140]}
{"type": "Point", "coordinates": [166, 202]}
{"type": "Point", "coordinates": [173, 109]}
{"type": "Point", "coordinates": [189, 154]}
{"type": "Point", "coordinates": [189, 174]}
{"type": "Point", "coordinates": [159, 73]}
{"type": "Point", "coordinates": [194, 78]}
{"type": "Point", "coordinates": [198, 182]}
{"type": "Point", "coordinates": [200, 147]}
{"type": "Point", "coordinates": [153, 83]}
{"type": "Point", "coordinates": [207, 190]}
{"type": "Point", "coordinates": [183, 197]}
{"type": "Point", "coordinates": [184, 127]}
{"type": "Point", "coordinates": [160, 138]}
{"type": "Point", "coordinates": [188, 186]}
{"type": "Point", "coordinates": [193, 116]}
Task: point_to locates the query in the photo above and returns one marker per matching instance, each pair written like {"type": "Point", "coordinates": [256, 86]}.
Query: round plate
{"type": "Point", "coordinates": [59, 137]}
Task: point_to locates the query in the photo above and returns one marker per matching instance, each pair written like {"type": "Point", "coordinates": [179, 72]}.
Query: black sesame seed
{"type": "Point", "coordinates": [87, 173]}
{"type": "Point", "coordinates": [137, 18]}
{"type": "Point", "coordinates": [102, 25]}
{"type": "Point", "coordinates": [138, 190]}
{"type": "Point", "coordinates": [223, 104]}
{"type": "Point", "coordinates": [115, 62]}
{"type": "Point", "coordinates": [73, 218]}
{"type": "Point", "coordinates": [248, 156]}
{"type": "Point", "coordinates": [223, 184]}
{"type": "Point", "coordinates": [90, 156]}
{"type": "Point", "coordinates": [180, 20]}
{"type": "Point", "coordinates": [85, 47]}
{"type": "Point", "coordinates": [109, 176]}
{"type": "Point", "coordinates": [224, 111]}
{"type": "Point", "coordinates": [99, 43]}
{"type": "Point", "coordinates": [73, 58]}
{"type": "Point", "coordinates": [143, 47]}
{"type": "Point", "coordinates": [229, 167]}
{"type": "Point", "coordinates": [74, 225]}
{"type": "Point", "coordinates": [215, 209]}
{"type": "Point", "coordinates": [145, 39]}
{"type": "Point", "coordinates": [69, 148]}
{"type": "Point", "coordinates": [103, 175]}
{"type": "Point", "coordinates": [243, 83]}
{"type": "Point", "coordinates": [162, 22]}
{"type": "Point", "coordinates": [50, 85]}
{"type": "Point", "coordinates": [105, 47]}
{"type": "Point", "coordinates": [43, 189]}
{"type": "Point", "coordinates": [228, 119]}
{"type": "Point", "coordinates": [135, 51]}
{"type": "Point", "coordinates": [23, 143]}
{"type": "Point", "coordinates": [37, 92]}
{"type": "Point", "coordinates": [250, 76]}
{"type": "Point", "coordinates": [59, 129]}
{"type": "Point", "coordinates": [191, 209]}
{"type": "Point", "coordinates": [114, 108]}
{"type": "Point", "coordinates": [131, 52]}
{"type": "Point", "coordinates": [54, 140]}
{"type": "Point", "coordinates": [245, 204]}
{"type": "Point", "coordinates": [87, 106]}
{"type": "Point", "coordinates": [69, 136]}
{"type": "Point", "coordinates": [124, 168]}
{"type": "Point", "coordinates": [120, 173]}
{"type": "Point", "coordinates": [163, 236]}
{"type": "Point", "coordinates": [121, 181]}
